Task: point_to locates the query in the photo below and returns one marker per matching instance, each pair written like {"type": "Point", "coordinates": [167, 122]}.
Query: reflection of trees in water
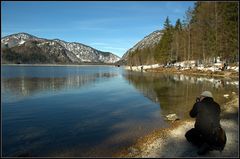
{"type": "Point", "coordinates": [23, 86]}
{"type": "Point", "coordinates": [177, 93]}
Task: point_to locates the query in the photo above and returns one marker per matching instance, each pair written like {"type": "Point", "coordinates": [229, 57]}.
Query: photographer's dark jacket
{"type": "Point", "coordinates": [207, 113]}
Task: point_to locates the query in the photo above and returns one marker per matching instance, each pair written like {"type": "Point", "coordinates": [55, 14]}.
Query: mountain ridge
{"type": "Point", "coordinates": [148, 41]}
{"type": "Point", "coordinates": [76, 52]}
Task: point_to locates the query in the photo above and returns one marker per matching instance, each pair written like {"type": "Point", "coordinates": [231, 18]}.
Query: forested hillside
{"type": "Point", "coordinates": [209, 30]}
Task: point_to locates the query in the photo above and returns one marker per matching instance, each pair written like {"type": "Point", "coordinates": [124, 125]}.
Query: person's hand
{"type": "Point", "coordinates": [197, 99]}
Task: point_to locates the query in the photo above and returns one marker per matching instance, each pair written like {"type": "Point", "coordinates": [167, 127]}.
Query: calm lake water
{"type": "Point", "coordinates": [92, 110]}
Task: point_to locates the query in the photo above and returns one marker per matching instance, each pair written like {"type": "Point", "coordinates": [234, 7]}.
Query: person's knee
{"type": "Point", "coordinates": [193, 136]}
{"type": "Point", "coordinates": [189, 135]}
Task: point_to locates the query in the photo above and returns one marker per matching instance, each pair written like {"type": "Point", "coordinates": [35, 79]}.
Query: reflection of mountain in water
{"type": "Point", "coordinates": [177, 93]}
{"type": "Point", "coordinates": [23, 86]}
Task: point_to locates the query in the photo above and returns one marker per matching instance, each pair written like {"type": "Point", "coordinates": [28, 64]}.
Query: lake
{"type": "Point", "coordinates": [74, 111]}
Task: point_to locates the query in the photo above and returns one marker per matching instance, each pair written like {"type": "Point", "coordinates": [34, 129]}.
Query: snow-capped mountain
{"type": "Point", "coordinates": [54, 51]}
{"type": "Point", "coordinates": [147, 42]}
{"type": "Point", "coordinates": [88, 54]}
{"type": "Point", "coordinates": [17, 39]}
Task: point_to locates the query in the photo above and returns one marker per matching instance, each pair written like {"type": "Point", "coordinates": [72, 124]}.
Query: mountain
{"type": "Point", "coordinates": [148, 41]}
{"type": "Point", "coordinates": [88, 54]}
{"type": "Point", "coordinates": [26, 48]}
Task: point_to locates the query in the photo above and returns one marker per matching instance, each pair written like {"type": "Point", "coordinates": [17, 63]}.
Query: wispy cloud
{"type": "Point", "coordinates": [99, 44]}
{"type": "Point", "coordinates": [108, 45]}
{"type": "Point", "coordinates": [116, 48]}
{"type": "Point", "coordinates": [177, 10]}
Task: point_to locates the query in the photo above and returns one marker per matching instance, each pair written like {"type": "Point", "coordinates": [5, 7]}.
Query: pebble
{"type": "Point", "coordinates": [226, 95]}
{"type": "Point", "coordinates": [172, 117]}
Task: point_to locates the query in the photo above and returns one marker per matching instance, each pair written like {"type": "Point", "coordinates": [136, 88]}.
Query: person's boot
{"type": "Point", "coordinates": [203, 149]}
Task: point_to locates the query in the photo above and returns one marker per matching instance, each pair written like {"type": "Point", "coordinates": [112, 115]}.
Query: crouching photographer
{"type": "Point", "coordinates": [207, 133]}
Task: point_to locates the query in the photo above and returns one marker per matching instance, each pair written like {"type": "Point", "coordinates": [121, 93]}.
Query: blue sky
{"type": "Point", "coordinates": [106, 26]}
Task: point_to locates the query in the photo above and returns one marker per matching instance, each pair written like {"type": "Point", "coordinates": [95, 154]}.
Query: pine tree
{"type": "Point", "coordinates": [209, 30]}
{"type": "Point", "coordinates": [176, 39]}
{"type": "Point", "coordinates": [164, 48]}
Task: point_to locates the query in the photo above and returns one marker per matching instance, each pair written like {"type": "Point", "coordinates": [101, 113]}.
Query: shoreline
{"type": "Point", "coordinates": [171, 142]}
{"type": "Point", "coordinates": [195, 72]}
{"type": "Point", "coordinates": [192, 72]}
{"type": "Point", "coordinates": [74, 65]}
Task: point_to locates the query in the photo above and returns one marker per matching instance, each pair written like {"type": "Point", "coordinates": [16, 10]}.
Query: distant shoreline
{"type": "Point", "coordinates": [194, 72]}
{"type": "Point", "coordinates": [191, 72]}
{"type": "Point", "coordinates": [75, 65]}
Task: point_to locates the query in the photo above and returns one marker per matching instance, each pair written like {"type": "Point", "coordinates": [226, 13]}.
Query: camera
{"type": "Point", "coordinates": [197, 99]}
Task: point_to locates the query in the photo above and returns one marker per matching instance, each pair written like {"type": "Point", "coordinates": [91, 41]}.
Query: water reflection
{"type": "Point", "coordinates": [93, 113]}
{"type": "Point", "coordinates": [177, 93]}
{"type": "Point", "coordinates": [17, 88]}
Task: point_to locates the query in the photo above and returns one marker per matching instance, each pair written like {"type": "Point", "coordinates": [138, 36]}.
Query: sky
{"type": "Point", "coordinates": [107, 26]}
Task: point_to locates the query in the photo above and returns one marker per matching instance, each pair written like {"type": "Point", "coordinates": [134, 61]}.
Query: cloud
{"type": "Point", "coordinates": [114, 48]}
{"type": "Point", "coordinates": [98, 43]}
{"type": "Point", "coordinates": [108, 46]}
{"type": "Point", "coordinates": [177, 10]}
